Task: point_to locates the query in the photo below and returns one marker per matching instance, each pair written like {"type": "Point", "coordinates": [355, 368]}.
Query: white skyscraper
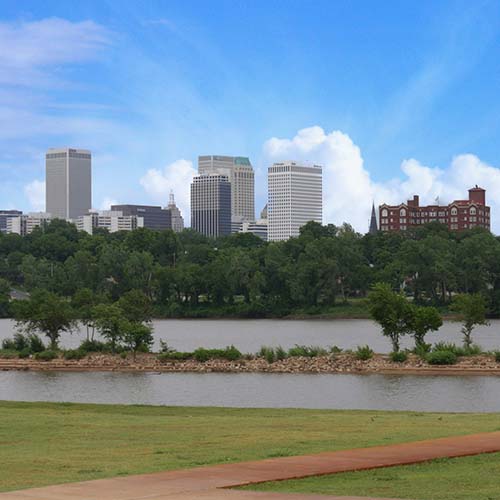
{"type": "Point", "coordinates": [240, 173]}
{"type": "Point", "coordinates": [68, 182]}
{"type": "Point", "coordinates": [295, 197]}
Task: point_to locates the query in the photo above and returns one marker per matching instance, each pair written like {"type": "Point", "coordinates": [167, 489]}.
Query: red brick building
{"type": "Point", "coordinates": [458, 215]}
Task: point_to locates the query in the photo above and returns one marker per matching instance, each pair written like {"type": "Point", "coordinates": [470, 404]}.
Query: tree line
{"type": "Point", "coordinates": [187, 274]}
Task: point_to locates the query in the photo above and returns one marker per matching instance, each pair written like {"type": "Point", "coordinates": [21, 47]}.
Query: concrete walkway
{"type": "Point", "coordinates": [212, 482]}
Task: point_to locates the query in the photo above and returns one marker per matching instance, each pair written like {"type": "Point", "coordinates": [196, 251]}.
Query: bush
{"type": "Point", "coordinates": [364, 353]}
{"type": "Point", "coordinates": [459, 351]}
{"type": "Point", "coordinates": [174, 356]}
{"type": "Point", "coordinates": [94, 346]}
{"type": "Point", "coordinates": [306, 351]}
{"type": "Point", "coordinates": [267, 353]}
{"type": "Point", "coordinates": [496, 354]}
{"type": "Point", "coordinates": [8, 345]}
{"type": "Point", "coordinates": [35, 343]}
{"type": "Point", "coordinates": [334, 349]}
{"type": "Point", "coordinates": [441, 358]}
{"type": "Point", "coordinates": [123, 355]}
{"type": "Point", "coordinates": [399, 356]}
{"type": "Point", "coordinates": [422, 350]}
{"type": "Point", "coordinates": [280, 353]}
{"type": "Point", "coordinates": [230, 353]}
{"type": "Point", "coordinates": [25, 353]}
{"type": "Point", "coordinates": [47, 355]}
{"type": "Point", "coordinates": [74, 354]}
{"type": "Point", "coordinates": [164, 347]}
{"type": "Point", "coordinates": [29, 344]}
{"type": "Point", "coordinates": [8, 353]}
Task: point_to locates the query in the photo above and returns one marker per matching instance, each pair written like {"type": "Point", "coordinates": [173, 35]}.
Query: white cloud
{"type": "Point", "coordinates": [35, 192]}
{"type": "Point", "coordinates": [107, 202]}
{"type": "Point", "coordinates": [177, 177]}
{"type": "Point", "coordinates": [27, 47]}
{"type": "Point", "coordinates": [348, 190]}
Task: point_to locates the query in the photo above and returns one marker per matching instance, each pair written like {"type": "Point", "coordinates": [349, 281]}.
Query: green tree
{"type": "Point", "coordinates": [45, 312]}
{"type": "Point", "coordinates": [4, 298]}
{"type": "Point", "coordinates": [422, 320]}
{"type": "Point", "coordinates": [471, 309]}
{"type": "Point", "coordinates": [391, 311]}
{"type": "Point", "coordinates": [136, 306]}
{"type": "Point", "coordinates": [137, 336]}
{"type": "Point", "coordinates": [110, 323]}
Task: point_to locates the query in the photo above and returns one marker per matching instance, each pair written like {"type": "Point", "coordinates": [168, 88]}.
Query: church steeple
{"type": "Point", "coordinates": [373, 221]}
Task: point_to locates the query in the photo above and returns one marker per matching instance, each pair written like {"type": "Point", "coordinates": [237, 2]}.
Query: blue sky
{"type": "Point", "coordinates": [391, 97]}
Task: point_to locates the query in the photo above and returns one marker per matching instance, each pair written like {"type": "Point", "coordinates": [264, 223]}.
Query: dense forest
{"type": "Point", "coordinates": [187, 274]}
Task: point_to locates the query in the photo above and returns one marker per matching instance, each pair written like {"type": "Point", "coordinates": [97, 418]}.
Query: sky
{"type": "Point", "coordinates": [392, 98]}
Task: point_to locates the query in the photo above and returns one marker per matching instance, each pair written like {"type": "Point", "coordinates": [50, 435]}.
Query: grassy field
{"type": "Point", "coordinates": [45, 443]}
{"type": "Point", "coordinates": [468, 478]}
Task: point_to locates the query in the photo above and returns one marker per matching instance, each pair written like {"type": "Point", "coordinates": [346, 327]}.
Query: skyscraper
{"type": "Point", "coordinates": [373, 229]}
{"type": "Point", "coordinates": [175, 214]}
{"type": "Point", "coordinates": [239, 171]}
{"type": "Point", "coordinates": [211, 205]}
{"type": "Point", "coordinates": [68, 181]}
{"type": "Point", "coordinates": [295, 197]}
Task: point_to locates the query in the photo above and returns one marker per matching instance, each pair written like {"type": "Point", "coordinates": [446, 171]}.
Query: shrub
{"type": "Point", "coordinates": [364, 353]}
{"type": "Point", "coordinates": [123, 355]}
{"type": "Point", "coordinates": [472, 350]}
{"type": "Point", "coordinates": [459, 351]}
{"type": "Point", "coordinates": [280, 353]}
{"type": "Point", "coordinates": [25, 353]}
{"type": "Point", "coordinates": [8, 345]}
{"type": "Point", "coordinates": [35, 343]}
{"type": "Point", "coordinates": [267, 353]}
{"type": "Point", "coordinates": [174, 356]}
{"type": "Point", "coordinates": [8, 353]}
{"type": "Point", "coordinates": [164, 347]}
{"type": "Point", "coordinates": [94, 346]}
{"type": "Point", "coordinates": [399, 356]}
{"type": "Point", "coordinates": [306, 351]}
{"type": "Point", "coordinates": [74, 354]}
{"type": "Point", "coordinates": [441, 358]}
{"type": "Point", "coordinates": [47, 355]}
{"type": "Point", "coordinates": [231, 353]}
{"type": "Point", "coordinates": [496, 354]}
{"type": "Point", "coordinates": [334, 349]}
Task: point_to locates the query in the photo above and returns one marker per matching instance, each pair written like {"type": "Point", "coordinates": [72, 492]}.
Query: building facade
{"type": "Point", "coordinates": [211, 205]}
{"type": "Point", "coordinates": [240, 173]}
{"type": "Point", "coordinates": [25, 223]}
{"type": "Point", "coordinates": [111, 220]}
{"type": "Point", "coordinates": [177, 221]}
{"type": "Point", "coordinates": [457, 215]}
{"type": "Point", "coordinates": [154, 217]}
{"type": "Point", "coordinates": [68, 182]}
{"type": "Point", "coordinates": [295, 197]}
{"type": "Point", "coordinates": [5, 215]}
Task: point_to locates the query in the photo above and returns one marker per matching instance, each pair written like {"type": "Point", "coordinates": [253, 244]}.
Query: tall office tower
{"type": "Point", "coordinates": [239, 171]}
{"type": "Point", "coordinates": [155, 217]}
{"type": "Point", "coordinates": [294, 198]}
{"type": "Point", "coordinates": [68, 182]}
{"type": "Point", "coordinates": [211, 205]}
{"type": "Point", "coordinates": [175, 214]}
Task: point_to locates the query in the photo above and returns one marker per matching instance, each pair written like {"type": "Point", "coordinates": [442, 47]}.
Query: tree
{"type": "Point", "coordinates": [472, 312]}
{"type": "Point", "coordinates": [45, 312]}
{"type": "Point", "coordinates": [422, 320]}
{"type": "Point", "coordinates": [83, 303]}
{"type": "Point", "coordinates": [391, 311]}
{"type": "Point", "coordinates": [110, 323]}
{"type": "Point", "coordinates": [137, 337]}
{"type": "Point", "coordinates": [136, 306]}
{"type": "Point", "coordinates": [4, 298]}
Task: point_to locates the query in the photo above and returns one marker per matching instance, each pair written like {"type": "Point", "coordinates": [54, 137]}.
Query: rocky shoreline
{"type": "Point", "coordinates": [335, 364]}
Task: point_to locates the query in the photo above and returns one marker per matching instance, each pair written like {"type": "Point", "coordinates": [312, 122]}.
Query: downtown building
{"type": "Point", "coordinates": [24, 224]}
{"type": "Point", "coordinates": [211, 205]}
{"type": "Point", "coordinates": [457, 215]}
{"type": "Point", "coordinates": [154, 217]}
{"type": "Point", "coordinates": [68, 180]}
{"type": "Point", "coordinates": [112, 220]}
{"type": "Point", "coordinates": [295, 197]}
{"type": "Point", "coordinates": [176, 219]}
{"type": "Point", "coordinates": [240, 174]}
{"type": "Point", "coordinates": [5, 215]}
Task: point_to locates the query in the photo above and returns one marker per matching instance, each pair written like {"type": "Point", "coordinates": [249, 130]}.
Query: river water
{"type": "Point", "coordinates": [335, 391]}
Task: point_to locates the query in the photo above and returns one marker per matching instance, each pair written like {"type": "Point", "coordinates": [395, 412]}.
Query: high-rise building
{"type": "Point", "coordinates": [457, 215]}
{"type": "Point", "coordinates": [68, 182]}
{"type": "Point", "coordinates": [5, 215]}
{"type": "Point", "coordinates": [175, 214]}
{"type": "Point", "coordinates": [239, 171]}
{"type": "Point", "coordinates": [295, 197]}
{"type": "Point", "coordinates": [111, 220]}
{"type": "Point", "coordinates": [155, 217]}
{"type": "Point", "coordinates": [211, 205]}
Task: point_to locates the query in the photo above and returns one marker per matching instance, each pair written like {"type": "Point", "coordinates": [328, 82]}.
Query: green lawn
{"type": "Point", "coordinates": [469, 478]}
{"type": "Point", "coordinates": [45, 443]}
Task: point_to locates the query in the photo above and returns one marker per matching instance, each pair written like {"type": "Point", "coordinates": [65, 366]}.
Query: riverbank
{"type": "Point", "coordinates": [336, 364]}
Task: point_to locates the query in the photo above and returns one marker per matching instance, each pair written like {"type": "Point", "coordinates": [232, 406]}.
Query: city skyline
{"type": "Point", "coordinates": [430, 128]}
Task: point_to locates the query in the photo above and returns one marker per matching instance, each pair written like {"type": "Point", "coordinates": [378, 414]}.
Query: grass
{"type": "Point", "coordinates": [466, 478]}
{"type": "Point", "coordinates": [50, 443]}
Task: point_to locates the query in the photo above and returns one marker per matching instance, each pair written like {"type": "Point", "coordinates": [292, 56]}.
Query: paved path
{"type": "Point", "coordinates": [211, 483]}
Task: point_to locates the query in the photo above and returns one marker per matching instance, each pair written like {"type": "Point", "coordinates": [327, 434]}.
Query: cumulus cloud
{"type": "Point", "coordinates": [107, 202]}
{"type": "Point", "coordinates": [35, 193]}
{"type": "Point", "coordinates": [348, 189]}
{"type": "Point", "coordinates": [177, 177]}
